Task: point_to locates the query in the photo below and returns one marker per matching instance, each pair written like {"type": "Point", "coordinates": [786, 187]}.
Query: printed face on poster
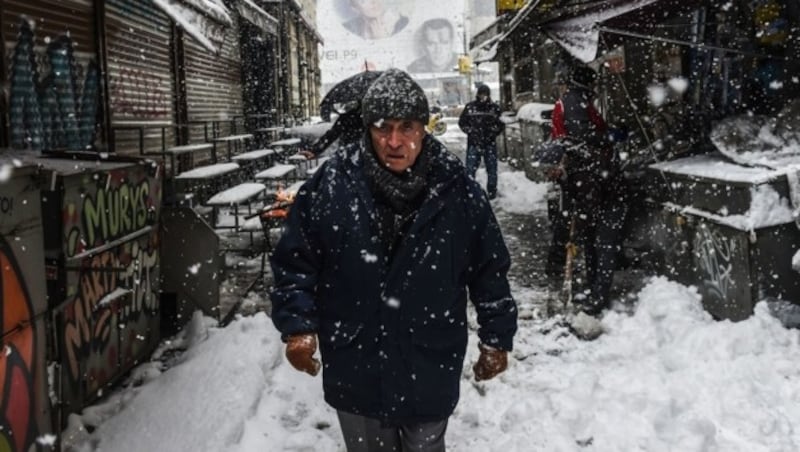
{"type": "Point", "coordinates": [419, 36]}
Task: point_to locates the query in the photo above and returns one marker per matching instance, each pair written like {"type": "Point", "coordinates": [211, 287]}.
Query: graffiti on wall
{"type": "Point", "coordinates": [56, 109]}
{"type": "Point", "coordinates": [715, 254]}
{"type": "Point", "coordinates": [137, 93]}
{"type": "Point", "coordinates": [114, 297]}
{"type": "Point", "coordinates": [102, 328]}
{"type": "Point", "coordinates": [17, 393]}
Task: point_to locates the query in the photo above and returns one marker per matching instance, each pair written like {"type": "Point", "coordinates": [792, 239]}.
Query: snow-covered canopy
{"type": "Point", "coordinates": [580, 35]}
{"type": "Point", "coordinates": [257, 16]}
{"type": "Point", "coordinates": [204, 20]}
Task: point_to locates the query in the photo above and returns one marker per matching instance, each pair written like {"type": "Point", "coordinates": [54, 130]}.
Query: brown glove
{"type": "Point", "coordinates": [491, 362]}
{"type": "Point", "coordinates": [300, 353]}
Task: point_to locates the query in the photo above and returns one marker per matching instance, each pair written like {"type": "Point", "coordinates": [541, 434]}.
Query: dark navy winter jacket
{"type": "Point", "coordinates": [392, 333]}
{"type": "Point", "coordinates": [481, 122]}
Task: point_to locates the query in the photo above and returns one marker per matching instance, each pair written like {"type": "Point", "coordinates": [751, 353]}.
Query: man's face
{"type": "Point", "coordinates": [368, 8]}
{"type": "Point", "coordinates": [397, 142]}
{"type": "Point", "coordinates": [438, 45]}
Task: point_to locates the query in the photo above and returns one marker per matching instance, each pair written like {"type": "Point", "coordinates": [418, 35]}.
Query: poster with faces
{"type": "Point", "coordinates": [422, 37]}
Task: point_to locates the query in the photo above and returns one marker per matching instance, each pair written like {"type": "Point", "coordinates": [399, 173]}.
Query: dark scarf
{"type": "Point", "coordinates": [399, 191]}
{"type": "Point", "coordinates": [397, 196]}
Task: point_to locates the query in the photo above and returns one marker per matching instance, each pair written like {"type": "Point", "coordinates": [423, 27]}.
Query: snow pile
{"type": "Point", "coordinates": [767, 208]}
{"type": "Point", "coordinates": [667, 378]}
{"type": "Point", "coordinates": [773, 142]}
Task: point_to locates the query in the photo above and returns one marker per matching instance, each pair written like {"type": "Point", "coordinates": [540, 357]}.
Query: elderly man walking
{"type": "Point", "coordinates": [381, 248]}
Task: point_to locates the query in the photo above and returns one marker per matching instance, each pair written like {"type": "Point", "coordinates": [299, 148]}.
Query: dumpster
{"type": "Point", "coordinates": [101, 249]}
{"type": "Point", "coordinates": [24, 405]}
{"type": "Point", "coordinates": [732, 232]}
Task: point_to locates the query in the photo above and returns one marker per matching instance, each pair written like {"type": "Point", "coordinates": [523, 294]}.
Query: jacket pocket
{"type": "Point", "coordinates": [440, 335]}
{"type": "Point", "coordinates": [438, 359]}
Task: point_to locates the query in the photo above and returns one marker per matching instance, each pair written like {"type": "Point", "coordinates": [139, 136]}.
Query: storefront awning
{"type": "Point", "coordinates": [578, 32]}
{"type": "Point", "coordinates": [484, 44]}
{"type": "Point", "coordinates": [204, 20]}
{"type": "Point", "coordinates": [578, 27]}
{"type": "Point", "coordinates": [257, 16]}
{"type": "Point", "coordinates": [485, 51]}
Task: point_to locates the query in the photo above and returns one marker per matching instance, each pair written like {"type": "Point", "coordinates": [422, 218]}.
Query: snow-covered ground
{"type": "Point", "coordinates": [665, 378]}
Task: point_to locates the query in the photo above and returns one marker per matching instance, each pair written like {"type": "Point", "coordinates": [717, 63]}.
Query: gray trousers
{"type": "Point", "coordinates": [363, 434]}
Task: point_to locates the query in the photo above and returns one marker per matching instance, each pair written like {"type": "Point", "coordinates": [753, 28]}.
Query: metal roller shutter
{"type": "Point", "coordinates": [52, 103]}
{"type": "Point", "coordinates": [214, 83]}
{"type": "Point", "coordinates": [141, 82]}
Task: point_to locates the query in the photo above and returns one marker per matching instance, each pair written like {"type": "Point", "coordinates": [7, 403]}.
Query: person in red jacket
{"type": "Point", "coordinates": [592, 188]}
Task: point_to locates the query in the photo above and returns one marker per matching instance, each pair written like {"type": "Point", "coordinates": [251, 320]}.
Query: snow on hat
{"type": "Point", "coordinates": [394, 95]}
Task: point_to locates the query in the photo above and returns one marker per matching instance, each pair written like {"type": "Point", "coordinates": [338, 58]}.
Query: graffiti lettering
{"type": "Point", "coordinates": [715, 253]}
{"type": "Point", "coordinates": [6, 204]}
{"type": "Point", "coordinates": [125, 273]}
{"type": "Point", "coordinates": [139, 94]}
{"type": "Point", "coordinates": [115, 212]}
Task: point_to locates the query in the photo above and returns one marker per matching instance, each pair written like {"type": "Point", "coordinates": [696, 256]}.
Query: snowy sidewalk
{"type": "Point", "coordinates": [666, 378]}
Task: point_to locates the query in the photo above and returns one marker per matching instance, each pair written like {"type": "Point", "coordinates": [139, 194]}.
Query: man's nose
{"type": "Point", "coordinates": [395, 139]}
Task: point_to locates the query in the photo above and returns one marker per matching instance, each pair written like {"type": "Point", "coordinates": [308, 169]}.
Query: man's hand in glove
{"type": "Point", "coordinates": [491, 362]}
{"type": "Point", "coordinates": [300, 350]}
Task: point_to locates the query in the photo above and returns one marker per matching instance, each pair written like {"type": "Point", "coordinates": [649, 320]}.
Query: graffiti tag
{"type": "Point", "coordinates": [715, 253]}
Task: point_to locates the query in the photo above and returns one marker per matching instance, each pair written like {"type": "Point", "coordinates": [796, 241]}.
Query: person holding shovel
{"type": "Point", "coordinates": [594, 196]}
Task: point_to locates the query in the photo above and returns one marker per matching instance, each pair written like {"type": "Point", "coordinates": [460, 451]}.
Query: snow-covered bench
{"type": "Point", "coordinates": [243, 194]}
{"type": "Point", "coordinates": [206, 180]}
{"type": "Point", "coordinates": [252, 161]}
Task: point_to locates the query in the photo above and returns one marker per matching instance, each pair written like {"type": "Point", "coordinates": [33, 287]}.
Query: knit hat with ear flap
{"type": "Point", "coordinates": [394, 95]}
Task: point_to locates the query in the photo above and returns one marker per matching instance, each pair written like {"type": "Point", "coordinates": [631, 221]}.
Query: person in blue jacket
{"type": "Point", "coordinates": [381, 248]}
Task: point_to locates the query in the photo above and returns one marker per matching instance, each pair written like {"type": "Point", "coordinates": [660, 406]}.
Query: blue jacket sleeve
{"type": "Point", "coordinates": [296, 262]}
{"type": "Point", "coordinates": [488, 279]}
